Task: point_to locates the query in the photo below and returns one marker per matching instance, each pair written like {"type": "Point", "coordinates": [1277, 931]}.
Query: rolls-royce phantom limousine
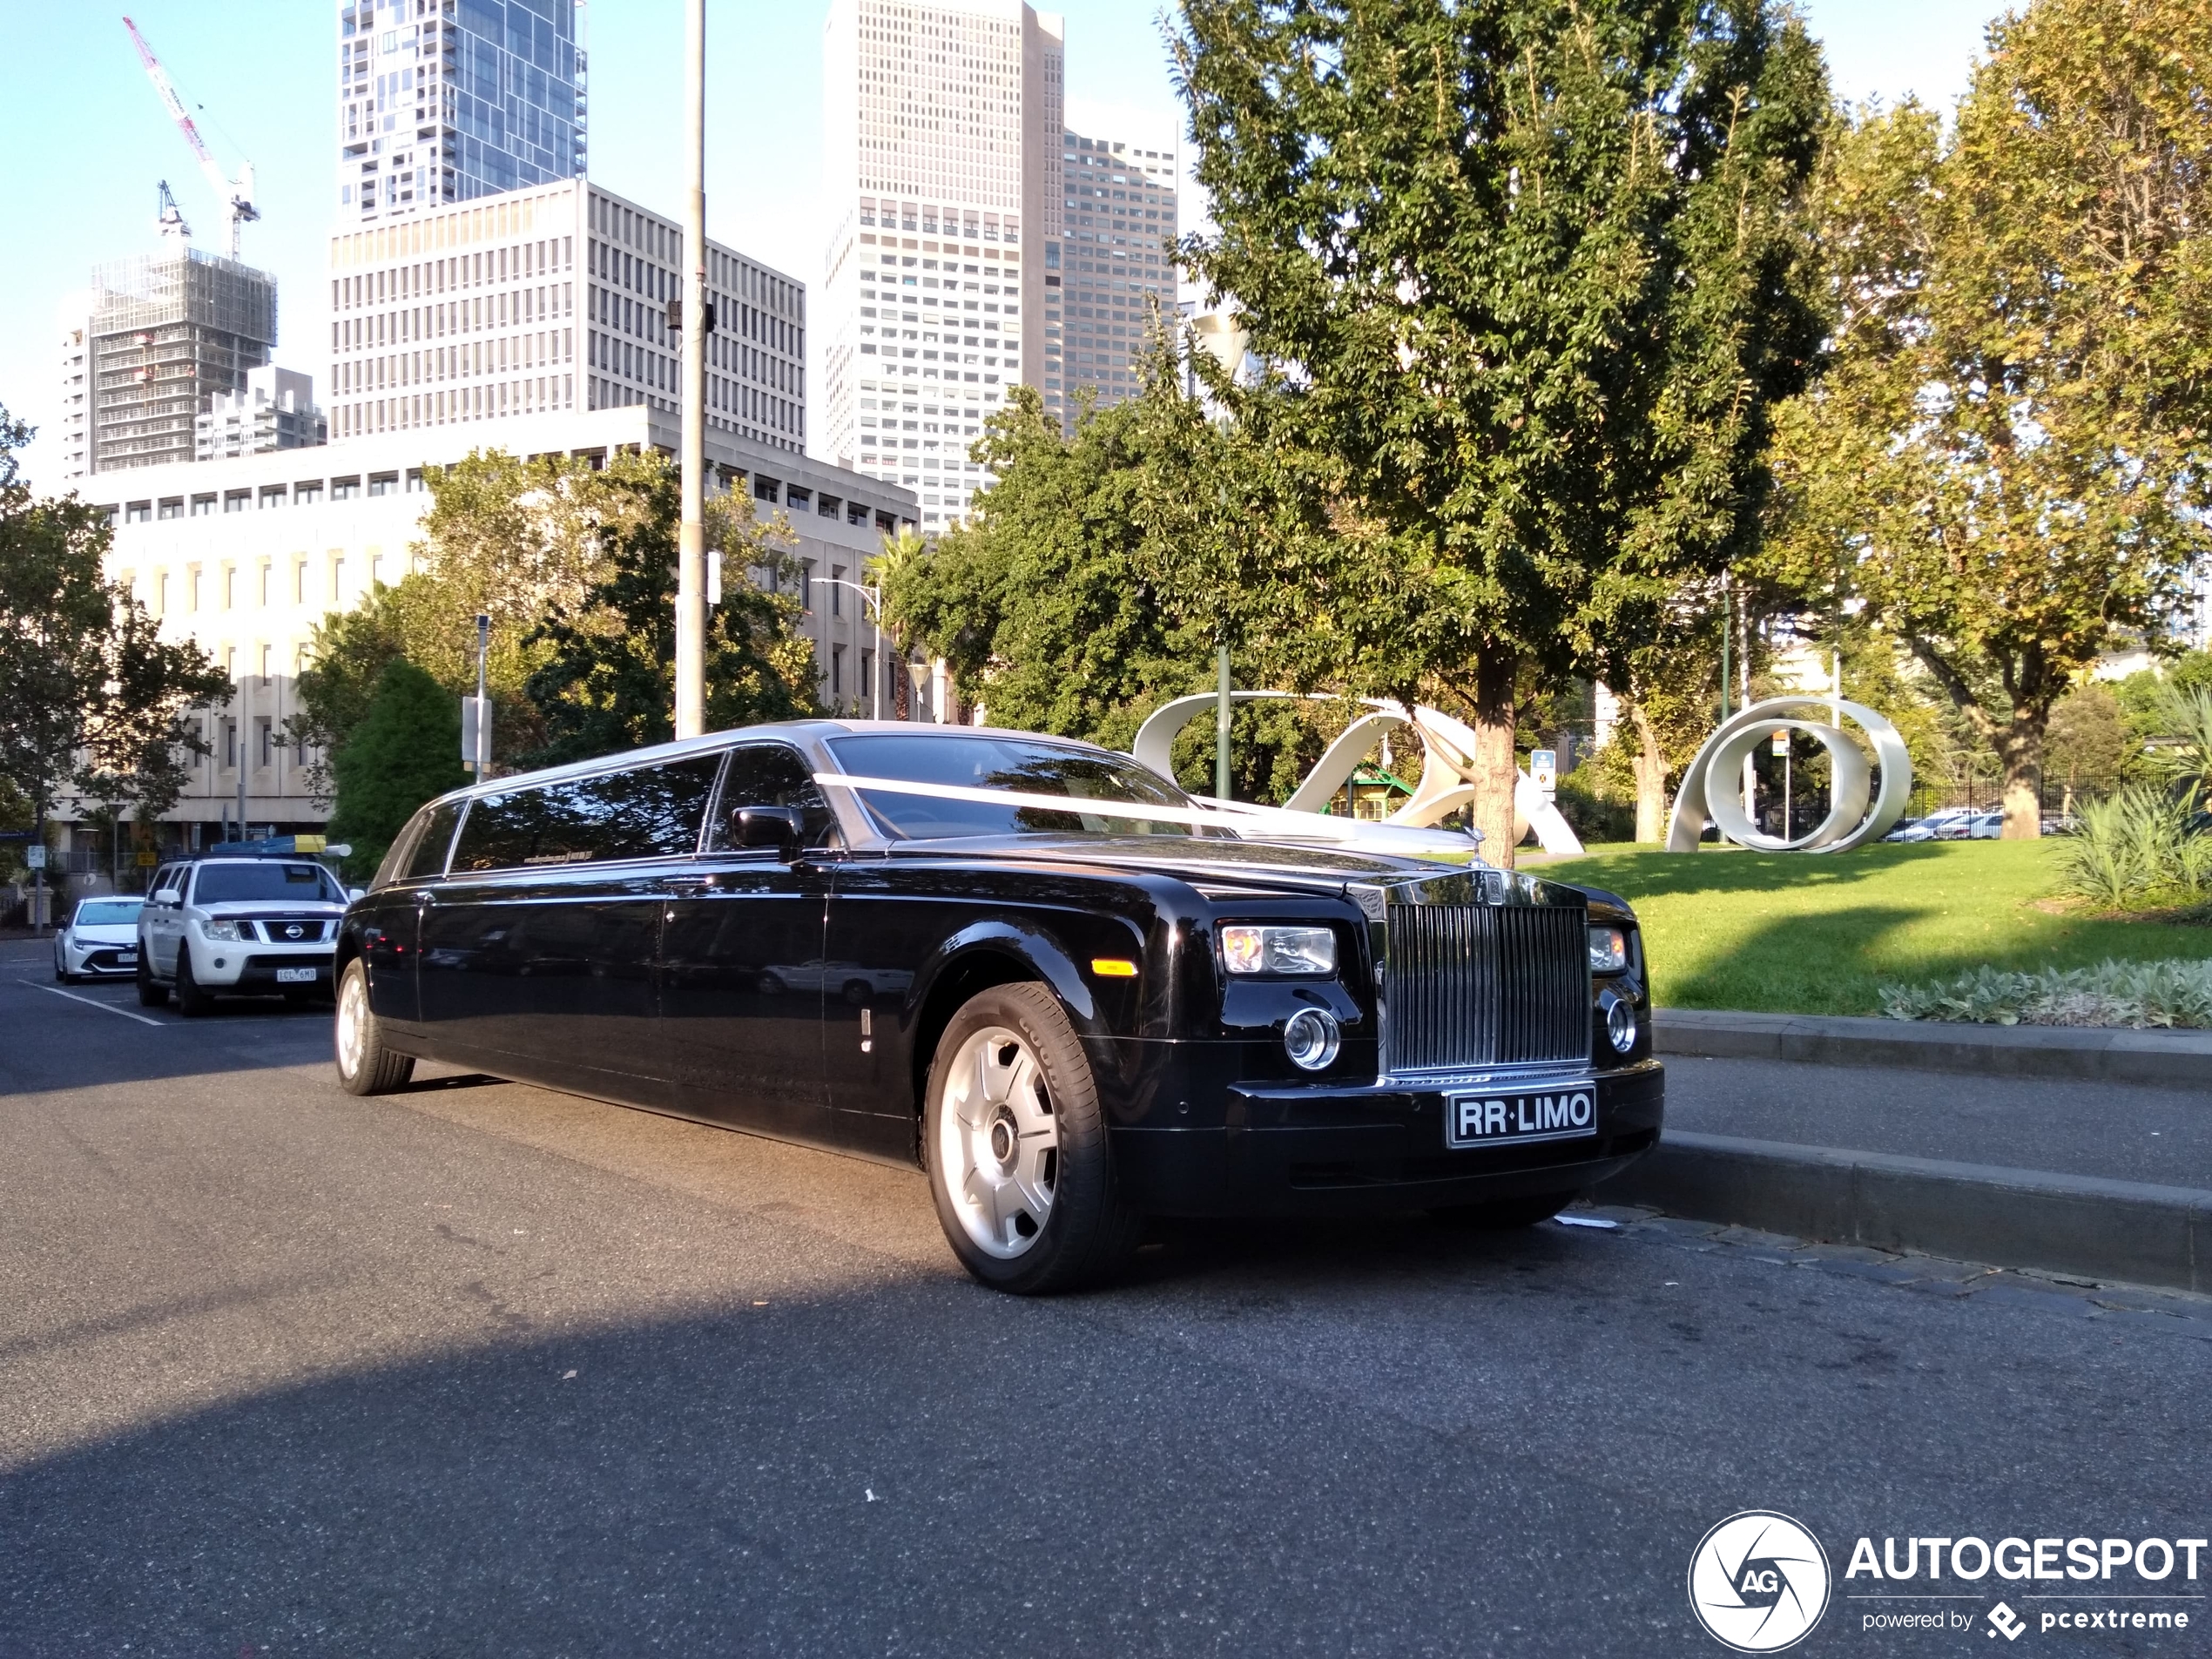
{"type": "Point", "coordinates": [1072, 995]}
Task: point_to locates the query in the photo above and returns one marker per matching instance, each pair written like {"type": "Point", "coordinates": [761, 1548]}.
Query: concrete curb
{"type": "Point", "coordinates": [2077, 1225]}
{"type": "Point", "coordinates": [2100, 1056]}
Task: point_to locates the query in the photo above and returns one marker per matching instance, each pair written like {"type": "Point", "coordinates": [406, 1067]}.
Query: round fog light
{"type": "Point", "coordinates": [1310, 1038]}
{"type": "Point", "coordinates": [1620, 1023]}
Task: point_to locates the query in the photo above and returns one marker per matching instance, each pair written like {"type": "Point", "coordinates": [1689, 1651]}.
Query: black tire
{"type": "Point", "coordinates": [192, 1002]}
{"type": "Point", "coordinates": [1503, 1214]}
{"type": "Point", "coordinates": [1089, 1228]}
{"type": "Point", "coordinates": [366, 1067]}
{"type": "Point", "coordinates": [152, 992]}
{"type": "Point", "coordinates": [62, 975]}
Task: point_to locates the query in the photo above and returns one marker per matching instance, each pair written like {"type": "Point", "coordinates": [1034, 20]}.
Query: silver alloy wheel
{"type": "Point", "coordinates": [353, 1023]}
{"type": "Point", "coordinates": [998, 1143]}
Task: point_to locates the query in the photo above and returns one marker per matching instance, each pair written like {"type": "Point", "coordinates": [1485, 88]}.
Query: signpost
{"type": "Point", "coordinates": [1782, 748]}
{"type": "Point", "coordinates": [1543, 772]}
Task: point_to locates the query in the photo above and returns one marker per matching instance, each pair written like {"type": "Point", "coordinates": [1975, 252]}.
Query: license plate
{"type": "Point", "coordinates": [126, 959]}
{"type": "Point", "coordinates": [295, 976]}
{"type": "Point", "coordinates": [1563, 1112]}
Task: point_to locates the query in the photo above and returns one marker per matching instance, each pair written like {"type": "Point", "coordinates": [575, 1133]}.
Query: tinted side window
{"type": "Point", "coordinates": [646, 812]}
{"type": "Point", "coordinates": [427, 857]}
{"type": "Point", "coordinates": [769, 774]}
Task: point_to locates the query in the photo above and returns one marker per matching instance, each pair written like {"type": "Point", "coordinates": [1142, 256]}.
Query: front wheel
{"type": "Point", "coordinates": [192, 1002]}
{"type": "Point", "coordinates": [151, 994]}
{"type": "Point", "coordinates": [1019, 1164]}
{"type": "Point", "coordinates": [365, 1065]}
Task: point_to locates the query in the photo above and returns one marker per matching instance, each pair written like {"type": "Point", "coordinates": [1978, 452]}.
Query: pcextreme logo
{"type": "Point", "coordinates": [1758, 1581]}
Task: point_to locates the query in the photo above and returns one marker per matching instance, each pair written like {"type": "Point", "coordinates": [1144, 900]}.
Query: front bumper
{"type": "Point", "coordinates": [246, 972]}
{"type": "Point", "coordinates": [121, 961]}
{"type": "Point", "coordinates": [1302, 1150]}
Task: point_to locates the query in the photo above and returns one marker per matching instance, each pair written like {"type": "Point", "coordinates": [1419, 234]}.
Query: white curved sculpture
{"type": "Point", "coordinates": [1447, 771]}
{"type": "Point", "coordinates": [1709, 788]}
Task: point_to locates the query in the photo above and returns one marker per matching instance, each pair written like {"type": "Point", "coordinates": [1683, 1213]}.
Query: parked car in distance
{"type": "Point", "coordinates": [1913, 829]}
{"type": "Point", "coordinates": [100, 939]}
{"type": "Point", "coordinates": [1984, 826]}
{"type": "Point", "coordinates": [2061, 824]}
{"type": "Point", "coordinates": [238, 926]}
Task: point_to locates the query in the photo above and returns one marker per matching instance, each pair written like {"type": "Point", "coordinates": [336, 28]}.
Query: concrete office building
{"type": "Point", "coordinates": [552, 299]}
{"type": "Point", "coordinates": [163, 333]}
{"type": "Point", "coordinates": [445, 101]}
{"type": "Point", "coordinates": [246, 555]}
{"type": "Point", "coordinates": [275, 410]}
{"type": "Point", "coordinates": [941, 166]}
{"type": "Point", "coordinates": [1116, 266]}
{"type": "Point", "coordinates": [76, 330]}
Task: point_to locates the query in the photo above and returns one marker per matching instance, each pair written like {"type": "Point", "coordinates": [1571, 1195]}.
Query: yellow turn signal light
{"type": "Point", "coordinates": [1113, 968]}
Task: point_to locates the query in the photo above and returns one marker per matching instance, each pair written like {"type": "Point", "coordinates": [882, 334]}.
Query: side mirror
{"type": "Point", "coordinates": [353, 893]}
{"type": "Point", "coordinates": [167, 896]}
{"type": "Point", "coordinates": [779, 827]}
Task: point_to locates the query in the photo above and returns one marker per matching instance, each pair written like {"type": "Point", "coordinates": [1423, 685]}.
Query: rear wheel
{"type": "Point", "coordinates": [1020, 1165]}
{"type": "Point", "coordinates": [1504, 1213]}
{"type": "Point", "coordinates": [152, 992]}
{"type": "Point", "coordinates": [365, 1065]}
{"type": "Point", "coordinates": [192, 1002]}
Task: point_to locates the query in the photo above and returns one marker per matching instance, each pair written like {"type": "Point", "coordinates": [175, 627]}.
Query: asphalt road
{"type": "Point", "coordinates": [481, 1369]}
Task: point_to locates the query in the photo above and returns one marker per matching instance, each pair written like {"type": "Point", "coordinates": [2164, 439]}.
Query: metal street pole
{"type": "Point", "coordinates": [691, 558]}
{"type": "Point", "coordinates": [876, 685]}
{"type": "Point", "coordinates": [1221, 717]}
{"type": "Point", "coordinates": [484, 701]}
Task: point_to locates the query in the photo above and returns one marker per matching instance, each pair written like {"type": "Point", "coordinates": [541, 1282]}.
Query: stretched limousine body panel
{"type": "Point", "coordinates": [1073, 995]}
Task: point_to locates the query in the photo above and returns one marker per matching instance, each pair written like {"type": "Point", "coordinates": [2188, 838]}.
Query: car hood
{"type": "Point", "coordinates": [1212, 865]}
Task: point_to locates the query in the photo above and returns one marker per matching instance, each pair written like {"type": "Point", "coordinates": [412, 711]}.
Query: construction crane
{"type": "Point", "coordinates": [235, 194]}
{"type": "Point", "coordinates": [173, 217]}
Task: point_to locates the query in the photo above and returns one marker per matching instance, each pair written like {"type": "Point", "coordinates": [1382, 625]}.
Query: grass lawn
{"type": "Point", "coordinates": [1817, 933]}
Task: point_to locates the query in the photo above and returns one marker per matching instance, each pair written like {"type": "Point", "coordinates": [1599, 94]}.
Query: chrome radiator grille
{"type": "Point", "coordinates": [1472, 985]}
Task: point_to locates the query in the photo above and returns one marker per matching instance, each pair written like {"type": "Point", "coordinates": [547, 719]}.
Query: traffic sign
{"type": "Point", "coordinates": [35, 857]}
{"type": "Point", "coordinates": [1543, 771]}
{"type": "Point", "coordinates": [1782, 739]}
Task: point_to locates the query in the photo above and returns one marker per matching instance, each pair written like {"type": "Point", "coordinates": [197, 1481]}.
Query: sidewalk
{"type": "Point", "coordinates": [2077, 1152]}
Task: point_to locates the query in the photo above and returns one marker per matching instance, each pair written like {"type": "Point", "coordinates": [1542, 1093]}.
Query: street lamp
{"type": "Point", "coordinates": [871, 596]}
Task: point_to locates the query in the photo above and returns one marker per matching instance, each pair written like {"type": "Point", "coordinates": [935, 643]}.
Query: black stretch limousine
{"type": "Point", "coordinates": [982, 954]}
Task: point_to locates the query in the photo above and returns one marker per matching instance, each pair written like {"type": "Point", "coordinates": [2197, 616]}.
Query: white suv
{"type": "Point", "coordinates": [238, 927]}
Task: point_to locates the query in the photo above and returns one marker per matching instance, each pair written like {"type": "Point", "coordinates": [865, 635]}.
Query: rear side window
{"type": "Point", "coordinates": [646, 812]}
{"type": "Point", "coordinates": [768, 774]}
{"type": "Point", "coordinates": [426, 855]}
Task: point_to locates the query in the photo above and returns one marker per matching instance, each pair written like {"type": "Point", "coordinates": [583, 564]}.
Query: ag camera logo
{"type": "Point", "coordinates": [1758, 1581]}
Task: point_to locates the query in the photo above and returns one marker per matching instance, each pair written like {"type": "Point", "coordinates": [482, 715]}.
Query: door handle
{"type": "Point", "coordinates": [689, 880]}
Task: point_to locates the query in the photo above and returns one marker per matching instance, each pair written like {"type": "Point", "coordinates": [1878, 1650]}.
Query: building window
{"type": "Point", "coordinates": [837, 669]}
{"type": "Point", "coordinates": [174, 507]}
{"type": "Point", "coordinates": [383, 483]}
{"type": "Point", "coordinates": [837, 594]}
{"type": "Point", "coordinates": [237, 501]}
{"type": "Point", "coordinates": [344, 488]}
{"type": "Point", "coordinates": [202, 505]}
{"type": "Point", "coordinates": [307, 494]}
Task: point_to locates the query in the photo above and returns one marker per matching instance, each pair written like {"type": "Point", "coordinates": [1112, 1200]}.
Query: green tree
{"type": "Point", "coordinates": [1529, 277]}
{"type": "Point", "coordinates": [604, 674]}
{"type": "Point", "coordinates": [2006, 459]}
{"type": "Point", "coordinates": [1042, 605]}
{"type": "Point", "coordinates": [404, 751]}
{"type": "Point", "coordinates": [347, 655]}
{"type": "Point", "coordinates": [93, 701]}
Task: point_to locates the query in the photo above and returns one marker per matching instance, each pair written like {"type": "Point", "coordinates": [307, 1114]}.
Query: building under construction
{"type": "Point", "coordinates": [167, 332]}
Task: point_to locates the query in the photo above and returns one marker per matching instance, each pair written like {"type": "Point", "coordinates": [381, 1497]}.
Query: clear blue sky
{"type": "Point", "coordinates": [90, 140]}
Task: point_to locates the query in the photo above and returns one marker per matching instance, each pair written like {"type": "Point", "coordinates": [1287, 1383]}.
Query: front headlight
{"type": "Point", "coordinates": [1247, 948]}
{"type": "Point", "coordinates": [1608, 949]}
{"type": "Point", "coordinates": [219, 930]}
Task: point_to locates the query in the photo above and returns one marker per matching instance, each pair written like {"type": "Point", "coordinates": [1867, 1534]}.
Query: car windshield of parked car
{"type": "Point", "coordinates": [1018, 765]}
{"type": "Point", "coordinates": [232, 883]}
{"type": "Point", "coordinates": [109, 913]}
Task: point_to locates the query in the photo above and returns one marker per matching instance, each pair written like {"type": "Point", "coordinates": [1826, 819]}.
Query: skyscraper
{"type": "Point", "coordinates": [167, 332]}
{"type": "Point", "coordinates": [1116, 266]}
{"type": "Point", "coordinates": [551, 299]}
{"type": "Point", "coordinates": [942, 162]}
{"type": "Point", "coordinates": [444, 101]}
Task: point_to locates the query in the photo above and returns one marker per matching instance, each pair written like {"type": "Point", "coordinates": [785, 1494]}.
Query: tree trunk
{"type": "Point", "coordinates": [2019, 747]}
{"type": "Point", "coordinates": [1651, 768]}
{"type": "Point", "coordinates": [1495, 770]}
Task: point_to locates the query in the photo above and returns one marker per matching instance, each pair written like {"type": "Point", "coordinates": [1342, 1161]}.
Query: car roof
{"type": "Point", "coordinates": [783, 731]}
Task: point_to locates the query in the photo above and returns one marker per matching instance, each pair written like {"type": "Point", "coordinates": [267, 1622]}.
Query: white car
{"type": "Point", "coordinates": [238, 927]}
{"type": "Point", "coordinates": [100, 939]}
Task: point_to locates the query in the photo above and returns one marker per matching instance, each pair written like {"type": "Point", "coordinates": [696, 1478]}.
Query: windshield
{"type": "Point", "coordinates": [229, 883]}
{"type": "Point", "coordinates": [1021, 765]}
{"type": "Point", "coordinates": [108, 912]}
